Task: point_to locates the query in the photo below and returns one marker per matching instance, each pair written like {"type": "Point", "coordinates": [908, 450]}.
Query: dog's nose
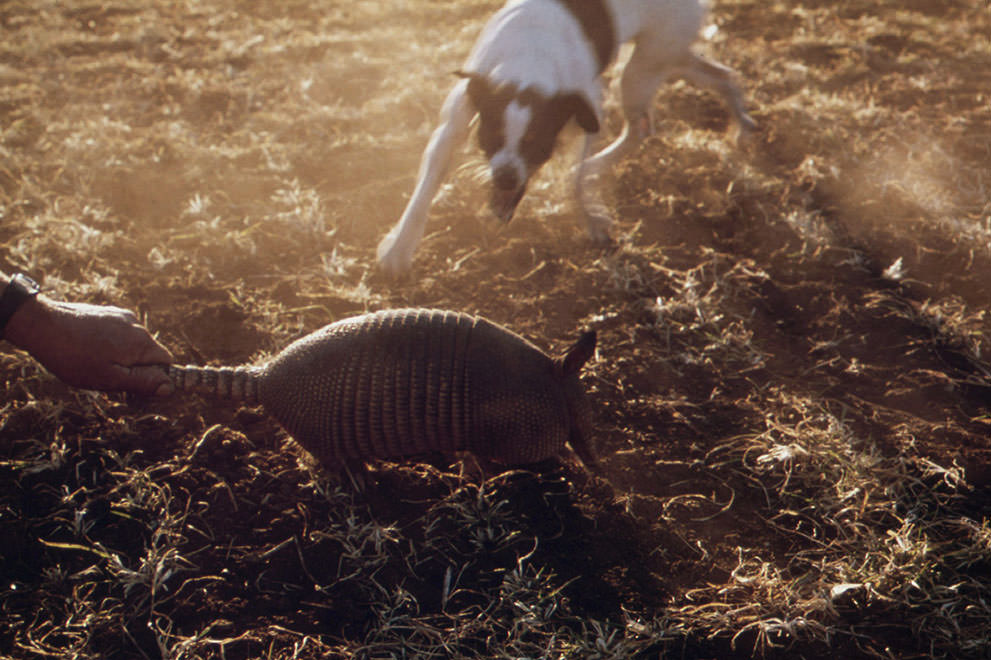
{"type": "Point", "coordinates": [505, 179]}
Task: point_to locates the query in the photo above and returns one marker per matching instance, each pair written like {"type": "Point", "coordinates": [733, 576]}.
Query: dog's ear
{"type": "Point", "coordinates": [577, 106]}
{"type": "Point", "coordinates": [478, 87]}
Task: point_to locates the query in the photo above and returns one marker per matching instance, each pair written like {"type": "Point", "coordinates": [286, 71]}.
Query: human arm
{"type": "Point", "coordinates": [90, 346]}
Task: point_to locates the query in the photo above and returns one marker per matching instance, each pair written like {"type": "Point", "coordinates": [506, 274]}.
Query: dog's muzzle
{"type": "Point", "coordinates": [507, 191]}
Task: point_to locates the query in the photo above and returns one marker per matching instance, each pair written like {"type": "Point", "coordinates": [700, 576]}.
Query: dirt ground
{"type": "Point", "coordinates": [791, 391]}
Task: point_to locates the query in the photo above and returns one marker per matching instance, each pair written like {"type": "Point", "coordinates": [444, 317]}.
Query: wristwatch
{"type": "Point", "coordinates": [19, 290]}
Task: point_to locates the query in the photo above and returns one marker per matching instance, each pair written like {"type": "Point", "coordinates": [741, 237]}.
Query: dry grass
{"type": "Point", "coordinates": [791, 385]}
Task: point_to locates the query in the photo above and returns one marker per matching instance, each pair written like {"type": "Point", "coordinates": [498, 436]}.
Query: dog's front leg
{"type": "Point", "coordinates": [597, 219]}
{"type": "Point", "coordinates": [395, 251]}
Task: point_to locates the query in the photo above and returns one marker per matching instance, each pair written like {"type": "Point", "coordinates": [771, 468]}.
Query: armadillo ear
{"type": "Point", "coordinates": [579, 353]}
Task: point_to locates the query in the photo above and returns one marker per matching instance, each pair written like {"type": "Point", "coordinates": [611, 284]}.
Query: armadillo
{"type": "Point", "coordinates": [415, 381]}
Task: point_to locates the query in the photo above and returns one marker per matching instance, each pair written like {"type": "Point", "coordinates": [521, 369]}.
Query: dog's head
{"type": "Point", "coordinates": [517, 131]}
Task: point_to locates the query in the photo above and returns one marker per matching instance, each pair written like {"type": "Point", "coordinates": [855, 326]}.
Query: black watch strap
{"type": "Point", "coordinates": [18, 291]}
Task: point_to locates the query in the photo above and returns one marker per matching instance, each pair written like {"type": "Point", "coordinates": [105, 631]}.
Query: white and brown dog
{"type": "Point", "coordinates": [536, 66]}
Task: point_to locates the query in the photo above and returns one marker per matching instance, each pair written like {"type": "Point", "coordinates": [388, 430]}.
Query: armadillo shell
{"type": "Point", "coordinates": [403, 382]}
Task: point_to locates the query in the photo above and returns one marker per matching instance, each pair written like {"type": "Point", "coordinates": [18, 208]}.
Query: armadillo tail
{"type": "Point", "coordinates": [238, 383]}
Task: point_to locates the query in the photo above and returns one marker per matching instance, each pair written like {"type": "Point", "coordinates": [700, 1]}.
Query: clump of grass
{"type": "Point", "coordinates": [101, 583]}
{"type": "Point", "coordinates": [700, 314]}
{"type": "Point", "coordinates": [700, 321]}
{"type": "Point", "coordinates": [950, 326]}
{"type": "Point", "coordinates": [870, 537]}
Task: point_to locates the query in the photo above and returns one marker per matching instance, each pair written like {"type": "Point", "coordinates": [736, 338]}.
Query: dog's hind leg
{"type": "Point", "coordinates": [641, 78]}
{"type": "Point", "coordinates": [395, 251]}
{"type": "Point", "coordinates": [721, 79]}
{"type": "Point", "coordinates": [643, 75]}
{"type": "Point", "coordinates": [647, 69]}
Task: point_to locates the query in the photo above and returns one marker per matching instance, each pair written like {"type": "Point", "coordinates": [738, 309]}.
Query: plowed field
{"type": "Point", "coordinates": [792, 392]}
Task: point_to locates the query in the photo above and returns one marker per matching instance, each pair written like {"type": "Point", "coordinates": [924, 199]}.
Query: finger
{"type": "Point", "coordinates": [153, 353]}
{"type": "Point", "coordinates": [143, 349]}
{"type": "Point", "coordinates": [144, 380]}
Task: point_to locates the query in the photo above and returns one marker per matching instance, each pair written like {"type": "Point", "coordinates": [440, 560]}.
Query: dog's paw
{"type": "Point", "coordinates": [394, 260]}
{"type": "Point", "coordinates": [745, 129]}
{"type": "Point", "coordinates": [645, 126]}
{"type": "Point", "coordinates": [597, 226]}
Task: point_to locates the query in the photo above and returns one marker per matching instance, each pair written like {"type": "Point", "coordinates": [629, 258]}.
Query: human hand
{"type": "Point", "coordinates": [91, 346]}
